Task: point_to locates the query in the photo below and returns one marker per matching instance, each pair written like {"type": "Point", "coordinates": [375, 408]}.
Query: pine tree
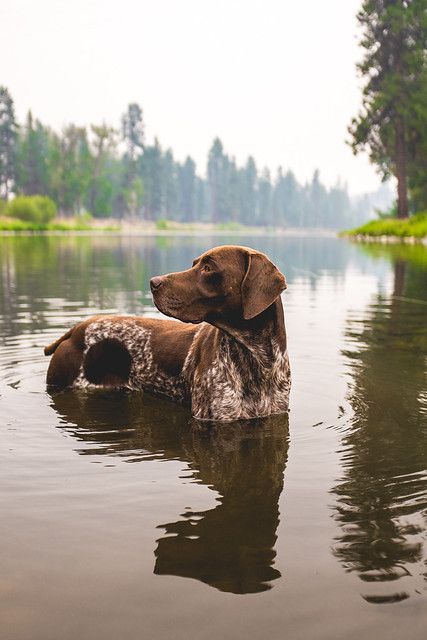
{"type": "Point", "coordinates": [101, 188]}
{"type": "Point", "coordinates": [187, 188]}
{"type": "Point", "coordinates": [8, 136]}
{"type": "Point", "coordinates": [215, 173]}
{"type": "Point", "coordinates": [394, 39]}
{"type": "Point", "coordinates": [32, 174]}
{"type": "Point", "coordinates": [133, 137]}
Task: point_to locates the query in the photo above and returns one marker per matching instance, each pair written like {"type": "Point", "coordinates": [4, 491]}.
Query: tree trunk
{"type": "Point", "coordinates": [402, 190]}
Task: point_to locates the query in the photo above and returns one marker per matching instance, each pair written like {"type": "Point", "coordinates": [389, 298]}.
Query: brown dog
{"type": "Point", "coordinates": [227, 358]}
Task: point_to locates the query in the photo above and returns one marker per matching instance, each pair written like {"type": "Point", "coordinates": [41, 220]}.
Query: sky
{"type": "Point", "coordinates": [275, 79]}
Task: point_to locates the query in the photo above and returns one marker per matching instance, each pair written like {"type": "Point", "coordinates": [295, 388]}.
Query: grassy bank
{"type": "Point", "coordinates": [11, 225]}
{"type": "Point", "coordinates": [413, 227]}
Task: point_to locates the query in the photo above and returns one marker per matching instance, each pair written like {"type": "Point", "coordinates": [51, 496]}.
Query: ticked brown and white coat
{"type": "Point", "coordinates": [227, 357]}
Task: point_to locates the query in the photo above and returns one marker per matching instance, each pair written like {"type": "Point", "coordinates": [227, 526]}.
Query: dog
{"type": "Point", "coordinates": [226, 359]}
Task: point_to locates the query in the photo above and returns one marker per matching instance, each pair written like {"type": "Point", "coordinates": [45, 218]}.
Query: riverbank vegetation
{"type": "Point", "coordinates": [392, 122]}
{"type": "Point", "coordinates": [39, 213]}
{"type": "Point", "coordinates": [413, 227]}
{"type": "Point", "coordinates": [113, 172]}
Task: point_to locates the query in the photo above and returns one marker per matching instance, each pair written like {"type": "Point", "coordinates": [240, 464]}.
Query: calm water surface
{"type": "Point", "coordinates": [121, 517]}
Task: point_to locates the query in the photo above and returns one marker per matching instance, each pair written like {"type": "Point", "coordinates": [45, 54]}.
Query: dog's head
{"type": "Point", "coordinates": [226, 283]}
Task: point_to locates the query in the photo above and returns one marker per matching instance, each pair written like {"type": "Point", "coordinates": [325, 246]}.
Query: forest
{"type": "Point", "coordinates": [112, 172]}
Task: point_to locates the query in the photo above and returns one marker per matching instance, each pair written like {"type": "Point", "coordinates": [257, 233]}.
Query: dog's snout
{"type": "Point", "coordinates": [155, 283]}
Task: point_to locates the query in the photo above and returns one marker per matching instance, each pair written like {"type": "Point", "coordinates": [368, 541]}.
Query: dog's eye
{"type": "Point", "coordinates": [206, 268]}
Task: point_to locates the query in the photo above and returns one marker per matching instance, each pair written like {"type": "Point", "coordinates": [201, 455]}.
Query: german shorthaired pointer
{"type": "Point", "coordinates": [227, 358]}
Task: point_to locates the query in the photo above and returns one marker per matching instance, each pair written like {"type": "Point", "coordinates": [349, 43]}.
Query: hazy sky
{"type": "Point", "coordinates": [272, 78]}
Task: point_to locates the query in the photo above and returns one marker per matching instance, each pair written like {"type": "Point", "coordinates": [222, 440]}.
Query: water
{"type": "Point", "coordinates": [122, 517]}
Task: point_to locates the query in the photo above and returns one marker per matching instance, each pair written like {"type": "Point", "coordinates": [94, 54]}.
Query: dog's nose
{"type": "Point", "coordinates": [155, 283]}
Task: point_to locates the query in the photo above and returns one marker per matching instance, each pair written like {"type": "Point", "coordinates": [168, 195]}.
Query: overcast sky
{"type": "Point", "coordinates": [272, 78]}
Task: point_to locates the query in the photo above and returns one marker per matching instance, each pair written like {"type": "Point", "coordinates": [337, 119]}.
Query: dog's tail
{"type": "Point", "coordinates": [51, 348]}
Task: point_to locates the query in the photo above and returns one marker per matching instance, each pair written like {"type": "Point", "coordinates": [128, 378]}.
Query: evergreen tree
{"type": "Point", "coordinates": [133, 137]}
{"type": "Point", "coordinates": [170, 186]}
{"type": "Point", "coordinates": [394, 65]}
{"type": "Point", "coordinates": [133, 131]}
{"type": "Point", "coordinates": [101, 189]}
{"type": "Point", "coordinates": [265, 198]}
{"type": "Point", "coordinates": [8, 135]}
{"type": "Point", "coordinates": [32, 158]}
{"type": "Point", "coordinates": [187, 188]}
{"type": "Point", "coordinates": [217, 180]}
{"type": "Point", "coordinates": [201, 200]}
{"type": "Point", "coordinates": [318, 202]}
{"type": "Point", "coordinates": [249, 192]}
{"type": "Point", "coordinates": [285, 200]}
{"type": "Point", "coordinates": [76, 168]}
{"type": "Point", "coordinates": [152, 175]}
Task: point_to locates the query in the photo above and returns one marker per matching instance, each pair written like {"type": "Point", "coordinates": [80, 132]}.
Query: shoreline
{"type": "Point", "coordinates": [385, 239]}
{"type": "Point", "coordinates": [170, 233]}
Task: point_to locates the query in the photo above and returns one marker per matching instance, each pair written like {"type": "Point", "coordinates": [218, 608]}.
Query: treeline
{"type": "Point", "coordinates": [113, 172]}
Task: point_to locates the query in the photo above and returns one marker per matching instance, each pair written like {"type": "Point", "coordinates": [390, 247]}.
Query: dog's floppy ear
{"type": "Point", "coordinates": [261, 285]}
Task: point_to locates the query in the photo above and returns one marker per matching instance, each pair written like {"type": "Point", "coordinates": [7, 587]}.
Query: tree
{"type": "Point", "coordinates": [265, 197]}
{"type": "Point", "coordinates": [249, 192]}
{"type": "Point", "coordinates": [133, 137]}
{"type": "Point", "coordinates": [170, 186]}
{"type": "Point", "coordinates": [187, 188]}
{"type": "Point", "coordinates": [217, 179]}
{"type": "Point", "coordinates": [76, 168]}
{"type": "Point", "coordinates": [152, 174]}
{"type": "Point", "coordinates": [318, 202]}
{"type": "Point", "coordinates": [394, 66]}
{"type": "Point", "coordinates": [286, 200]}
{"type": "Point", "coordinates": [101, 191]}
{"type": "Point", "coordinates": [8, 135]}
{"type": "Point", "coordinates": [133, 131]}
{"type": "Point", "coordinates": [32, 172]}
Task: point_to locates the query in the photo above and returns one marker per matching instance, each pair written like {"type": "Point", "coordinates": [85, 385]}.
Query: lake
{"type": "Point", "coordinates": [121, 517]}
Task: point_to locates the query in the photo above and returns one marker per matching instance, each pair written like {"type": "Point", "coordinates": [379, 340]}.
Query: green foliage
{"type": "Point", "coordinates": [85, 217]}
{"type": "Point", "coordinates": [37, 209]}
{"type": "Point", "coordinates": [230, 226]}
{"type": "Point", "coordinates": [415, 226]}
{"type": "Point", "coordinates": [8, 135]}
{"type": "Point", "coordinates": [392, 123]}
{"type": "Point", "coordinates": [162, 224]}
{"type": "Point", "coordinates": [74, 225]}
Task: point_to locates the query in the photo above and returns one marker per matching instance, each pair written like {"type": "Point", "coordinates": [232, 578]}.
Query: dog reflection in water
{"type": "Point", "coordinates": [230, 547]}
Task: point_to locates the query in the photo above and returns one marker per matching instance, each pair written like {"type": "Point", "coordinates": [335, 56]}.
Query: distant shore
{"type": "Point", "coordinates": [168, 229]}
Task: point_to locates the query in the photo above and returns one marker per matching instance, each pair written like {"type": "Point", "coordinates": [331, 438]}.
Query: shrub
{"type": "Point", "coordinates": [36, 209]}
{"type": "Point", "coordinates": [85, 217]}
{"type": "Point", "coordinates": [230, 226]}
{"type": "Point", "coordinates": [162, 224]}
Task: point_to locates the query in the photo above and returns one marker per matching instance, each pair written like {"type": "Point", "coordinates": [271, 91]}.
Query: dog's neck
{"type": "Point", "coordinates": [261, 336]}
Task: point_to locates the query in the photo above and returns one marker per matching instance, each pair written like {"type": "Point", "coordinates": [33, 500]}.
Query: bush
{"type": "Point", "coordinates": [162, 224]}
{"type": "Point", "coordinates": [36, 209]}
{"type": "Point", "coordinates": [85, 217]}
{"type": "Point", "coordinates": [230, 226]}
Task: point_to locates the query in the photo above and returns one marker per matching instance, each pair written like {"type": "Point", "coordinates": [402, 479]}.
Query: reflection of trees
{"type": "Point", "coordinates": [230, 547]}
{"type": "Point", "coordinates": [44, 274]}
{"type": "Point", "coordinates": [383, 493]}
